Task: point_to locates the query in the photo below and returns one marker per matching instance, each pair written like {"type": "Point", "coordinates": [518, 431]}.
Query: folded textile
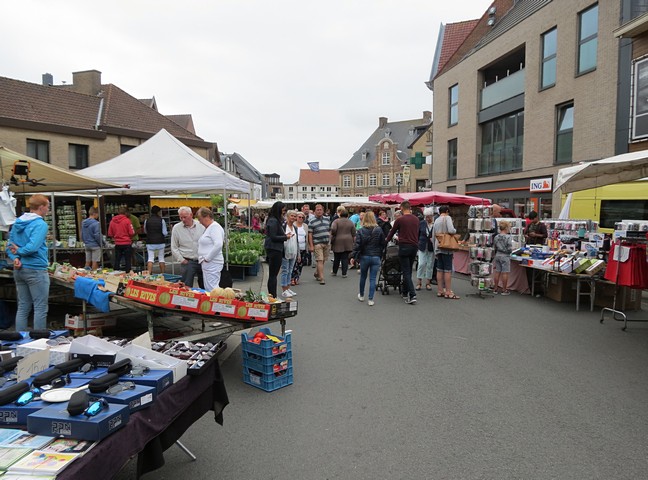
{"type": "Point", "coordinates": [87, 289]}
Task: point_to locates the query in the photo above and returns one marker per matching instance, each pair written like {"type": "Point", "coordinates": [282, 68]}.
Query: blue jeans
{"type": "Point", "coordinates": [287, 265]}
{"type": "Point", "coordinates": [372, 264]}
{"type": "Point", "coordinates": [32, 287]}
{"type": "Point", "coordinates": [407, 255]}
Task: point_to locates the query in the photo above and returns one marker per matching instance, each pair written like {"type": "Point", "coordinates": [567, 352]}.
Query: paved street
{"type": "Point", "coordinates": [504, 388]}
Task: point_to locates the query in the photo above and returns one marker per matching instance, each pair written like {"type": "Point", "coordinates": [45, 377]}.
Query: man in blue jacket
{"type": "Point", "coordinates": [91, 236]}
{"type": "Point", "coordinates": [27, 249]}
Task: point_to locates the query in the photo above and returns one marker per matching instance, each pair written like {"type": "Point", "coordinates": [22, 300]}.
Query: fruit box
{"type": "Point", "coordinates": [266, 348]}
{"type": "Point", "coordinates": [253, 311]}
{"type": "Point", "coordinates": [188, 300]}
{"type": "Point", "coordinates": [147, 293]}
{"type": "Point", "coordinates": [224, 307]}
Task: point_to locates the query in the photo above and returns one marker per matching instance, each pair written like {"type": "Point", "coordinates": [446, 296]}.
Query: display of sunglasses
{"type": "Point", "coordinates": [95, 407]}
{"type": "Point", "coordinates": [56, 341]}
{"type": "Point", "coordinates": [139, 371]}
{"type": "Point", "coordinates": [9, 378]}
{"type": "Point", "coordinates": [58, 382]}
{"type": "Point", "coordinates": [28, 397]}
{"type": "Point", "coordinates": [120, 387]}
{"type": "Point", "coordinates": [86, 367]}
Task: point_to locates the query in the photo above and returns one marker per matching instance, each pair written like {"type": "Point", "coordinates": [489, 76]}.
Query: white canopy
{"type": "Point", "coordinates": [42, 177]}
{"type": "Point", "coordinates": [620, 168]}
{"type": "Point", "coordinates": [164, 165]}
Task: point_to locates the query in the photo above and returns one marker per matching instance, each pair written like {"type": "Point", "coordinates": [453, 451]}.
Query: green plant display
{"type": "Point", "coordinates": [245, 248]}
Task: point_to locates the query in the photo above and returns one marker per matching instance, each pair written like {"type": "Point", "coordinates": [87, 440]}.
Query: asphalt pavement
{"type": "Point", "coordinates": [500, 388]}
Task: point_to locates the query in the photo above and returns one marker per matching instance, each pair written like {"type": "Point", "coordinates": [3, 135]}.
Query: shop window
{"type": "Point", "coordinates": [565, 133]}
{"type": "Point", "coordinates": [587, 39]}
{"type": "Point", "coordinates": [38, 149]}
{"type": "Point", "coordinates": [77, 156]}
{"type": "Point", "coordinates": [549, 49]}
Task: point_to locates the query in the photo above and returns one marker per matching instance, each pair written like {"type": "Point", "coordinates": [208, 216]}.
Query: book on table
{"type": "Point", "coordinates": [39, 462]}
{"type": "Point", "coordinates": [69, 445]}
{"type": "Point", "coordinates": [26, 476]}
{"type": "Point", "coordinates": [9, 456]}
{"type": "Point", "coordinates": [6, 434]}
{"type": "Point", "coordinates": [28, 440]}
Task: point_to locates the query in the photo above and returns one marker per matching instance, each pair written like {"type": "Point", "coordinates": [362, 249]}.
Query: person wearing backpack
{"type": "Point", "coordinates": [367, 249]}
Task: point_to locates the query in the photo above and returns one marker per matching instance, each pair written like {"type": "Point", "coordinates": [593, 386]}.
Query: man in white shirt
{"type": "Point", "coordinates": [184, 246]}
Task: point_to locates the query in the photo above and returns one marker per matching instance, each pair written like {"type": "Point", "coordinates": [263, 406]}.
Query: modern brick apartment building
{"type": "Point", "coordinates": [531, 87]}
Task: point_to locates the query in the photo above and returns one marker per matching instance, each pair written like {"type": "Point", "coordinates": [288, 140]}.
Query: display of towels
{"type": "Point", "coordinates": [627, 265]}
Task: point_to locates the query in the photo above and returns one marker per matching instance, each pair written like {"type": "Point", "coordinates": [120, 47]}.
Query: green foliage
{"type": "Point", "coordinates": [245, 248]}
{"type": "Point", "coordinates": [216, 200]}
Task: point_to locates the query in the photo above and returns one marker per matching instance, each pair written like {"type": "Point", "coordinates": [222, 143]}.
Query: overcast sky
{"type": "Point", "coordinates": [281, 82]}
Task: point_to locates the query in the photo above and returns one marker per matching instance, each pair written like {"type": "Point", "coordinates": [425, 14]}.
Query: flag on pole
{"type": "Point", "coordinates": [314, 166]}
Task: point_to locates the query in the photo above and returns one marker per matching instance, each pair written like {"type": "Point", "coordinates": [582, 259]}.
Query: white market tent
{"type": "Point", "coordinates": [618, 169]}
{"type": "Point", "coordinates": [165, 166]}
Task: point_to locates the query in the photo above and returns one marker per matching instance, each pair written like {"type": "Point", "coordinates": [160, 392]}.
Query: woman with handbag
{"type": "Point", "coordinates": [425, 267]}
{"type": "Point", "coordinates": [290, 253]}
{"type": "Point", "coordinates": [444, 232]}
{"type": "Point", "coordinates": [274, 244]}
{"type": "Point", "coordinates": [367, 249]}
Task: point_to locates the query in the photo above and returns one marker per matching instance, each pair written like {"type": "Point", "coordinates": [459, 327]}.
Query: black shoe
{"type": "Point", "coordinates": [411, 300]}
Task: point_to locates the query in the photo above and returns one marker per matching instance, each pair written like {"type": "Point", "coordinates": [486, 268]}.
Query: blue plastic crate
{"type": "Point", "coordinates": [172, 278]}
{"type": "Point", "coordinates": [253, 270]}
{"type": "Point", "coordinates": [270, 364]}
{"type": "Point", "coordinates": [268, 382]}
{"type": "Point", "coordinates": [267, 348]}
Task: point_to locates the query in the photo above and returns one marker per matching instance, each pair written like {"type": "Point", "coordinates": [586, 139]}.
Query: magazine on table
{"type": "Point", "coordinates": [69, 445]}
{"type": "Point", "coordinates": [9, 456]}
{"type": "Point", "coordinates": [6, 434]}
{"type": "Point", "coordinates": [42, 463]}
{"type": "Point", "coordinates": [28, 440]}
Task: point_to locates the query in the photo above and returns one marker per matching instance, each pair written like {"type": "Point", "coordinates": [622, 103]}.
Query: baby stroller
{"type": "Point", "coordinates": [390, 274]}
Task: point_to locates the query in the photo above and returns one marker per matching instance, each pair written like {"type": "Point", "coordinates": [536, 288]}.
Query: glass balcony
{"type": "Point", "coordinates": [507, 87]}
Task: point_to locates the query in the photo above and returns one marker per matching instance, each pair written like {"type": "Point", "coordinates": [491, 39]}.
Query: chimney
{"type": "Point", "coordinates": [427, 116]}
{"type": "Point", "coordinates": [48, 79]}
{"type": "Point", "coordinates": [382, 122]}
{"type": "Point", "coordinates": [88, 82]}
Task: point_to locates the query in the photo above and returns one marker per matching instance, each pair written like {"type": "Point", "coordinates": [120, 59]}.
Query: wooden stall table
{"type": "Point", "coordinates": [151, 431]}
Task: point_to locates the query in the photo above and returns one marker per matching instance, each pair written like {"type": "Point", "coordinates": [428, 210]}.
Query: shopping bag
{"type": "Point", "coordinates": [448, 241]}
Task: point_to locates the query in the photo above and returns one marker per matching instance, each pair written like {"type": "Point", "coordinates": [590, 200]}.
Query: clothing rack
{"type": "Point", "coordinates": [618, 314]}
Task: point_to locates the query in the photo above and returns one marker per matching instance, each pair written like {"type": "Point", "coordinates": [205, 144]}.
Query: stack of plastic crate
{"type": "Point", "coordinates": [267, 365]}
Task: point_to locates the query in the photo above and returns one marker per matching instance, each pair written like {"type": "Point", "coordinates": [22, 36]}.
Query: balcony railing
{"type": "Point", "coordinates": [500, 161]}
{"type": "Point", "coordinates": [508, 87]}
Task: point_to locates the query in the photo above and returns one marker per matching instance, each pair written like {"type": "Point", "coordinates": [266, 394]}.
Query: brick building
{"type": "Point", "coordinates": [531, 87]}
{"type": "Point", "coordinates": [323, 183]}
{"type": "Point", "coordinates": [79, 125]}
{"type": "Point", "coordinates": [377, 167]}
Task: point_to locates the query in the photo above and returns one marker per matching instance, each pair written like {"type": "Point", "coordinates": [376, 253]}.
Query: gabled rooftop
{"type": "Point", "coordinates": [402, 133]}
{"type": "Point", "coordinates": [323, 177]}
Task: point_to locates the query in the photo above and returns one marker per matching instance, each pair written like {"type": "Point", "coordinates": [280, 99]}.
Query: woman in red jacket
{"type": "Point", "coordinates": [122, 232]}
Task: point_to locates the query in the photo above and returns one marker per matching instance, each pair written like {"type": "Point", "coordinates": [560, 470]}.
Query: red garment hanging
{"type": "Point", "coordinates": [632, 272]}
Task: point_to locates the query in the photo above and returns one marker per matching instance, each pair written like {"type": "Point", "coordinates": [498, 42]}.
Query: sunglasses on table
{"type": "Point", "coordinates": [95, 407]}
{"type": "Point", "coordinates": [56, 341]}
{"type": "Point", "coordinates": [28, 397]}
{"type": "Point", "coordinates": [58, 382]}
{"type": "Point", "coordinates": [9, 378]}
{"type": "Point", "coordinates": [120, 387]}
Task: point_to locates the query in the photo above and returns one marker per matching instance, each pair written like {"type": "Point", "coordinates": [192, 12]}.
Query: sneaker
{"type": "Point", "coordinates": [370, 303]}
{"type": "Point", "coordinates": [505, 292]}
{"type": "Point", "coordinates": [359, 271]}
{"type": "Point", "coordinates": [410, 300]}
{"type": "Point", "coordinates": [344, 276]}
{"type": "Point", "coordinates": [360, 297]}
{"type": "Point", "coordinates": [286, 294]}
{"type": "Point", "coordinates": [333, 274]}
{"type": "Point", "coordinates": [292, 293]}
